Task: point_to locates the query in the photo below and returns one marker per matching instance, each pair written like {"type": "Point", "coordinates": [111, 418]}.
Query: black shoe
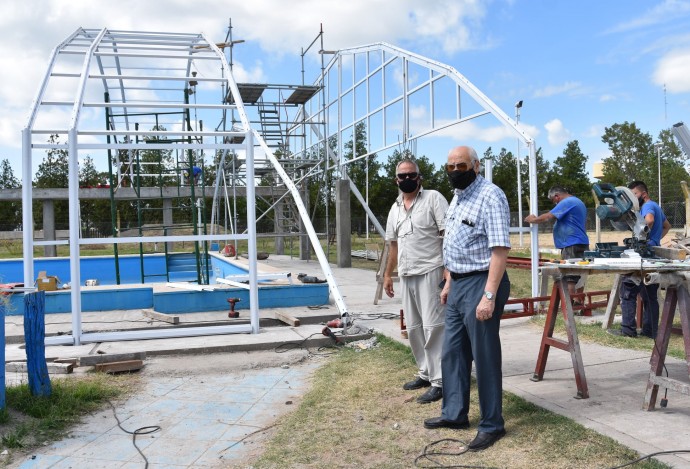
{"type": "Point", "coordinates": [432, 395]}
{"type": "Point", "coordinates": [619, 333]}
{"type": "Point", "coordinates": [440, 422]}
{"type": "Point", "coordinates": [485, 439]}
{"type": "Point", "coordinates": [649, 336]}
{"type": "Point", "coordinates": [417, 383]}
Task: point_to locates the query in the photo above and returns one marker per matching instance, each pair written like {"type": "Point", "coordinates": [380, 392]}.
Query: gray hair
{"type": "Point", "coordinates": [557, 190]}
{"type": "Point", "coordinates": [473, 156]}
{"type": "Point", "coordinates": [408, 160]}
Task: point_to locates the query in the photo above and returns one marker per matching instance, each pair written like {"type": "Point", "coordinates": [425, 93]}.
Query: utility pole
{"type": "Point", "coordinates": [518, 106]}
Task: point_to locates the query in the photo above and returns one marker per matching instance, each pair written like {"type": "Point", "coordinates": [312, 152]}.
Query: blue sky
{"type": "Point", "coordinates": [578, 66]}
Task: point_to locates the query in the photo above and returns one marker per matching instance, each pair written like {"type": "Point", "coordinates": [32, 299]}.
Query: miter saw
{"type": "Point", "coordinates": [620, 206]}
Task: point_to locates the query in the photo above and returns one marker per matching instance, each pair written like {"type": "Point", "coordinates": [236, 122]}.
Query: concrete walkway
{"type": "Point", "coordinates": [203, 415]}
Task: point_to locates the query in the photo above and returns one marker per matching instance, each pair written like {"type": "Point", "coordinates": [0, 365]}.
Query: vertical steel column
{"type": "Point", "coordinates": [251, 231]}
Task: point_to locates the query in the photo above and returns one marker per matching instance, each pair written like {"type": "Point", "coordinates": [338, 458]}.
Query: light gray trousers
{"type": "Point", "coordinates": [425, 319]}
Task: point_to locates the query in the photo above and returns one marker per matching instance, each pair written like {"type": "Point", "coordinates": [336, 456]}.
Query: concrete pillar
{"type": "Point", "coordinates": [343, 223]}
{"type": "Point", "coordinates": [278, 226]}
{"type": "Point", "coordinates": [49, 227]}
{"type": "Point", "coordinates": [168, 217]}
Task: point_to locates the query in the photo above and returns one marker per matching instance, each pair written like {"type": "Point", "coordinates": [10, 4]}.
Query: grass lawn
{"type": "Point", "coordinates": [354, 416]}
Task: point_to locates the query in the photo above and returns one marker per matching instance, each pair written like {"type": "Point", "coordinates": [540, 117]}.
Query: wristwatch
{"type": "Point", "coordinates": [489, 296]}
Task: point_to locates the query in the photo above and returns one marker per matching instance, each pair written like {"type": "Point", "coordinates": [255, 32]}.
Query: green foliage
{"type": "Point", "coordinates": [504, 174]}
{"type": "Point", "coordinates": [631, 154]}
{"type": "Point", "coordinates": [635, 157]}
{"type": "Point", "coordinates": [10, 212]}
{"type": "Point", "coordinates": [570, 171]}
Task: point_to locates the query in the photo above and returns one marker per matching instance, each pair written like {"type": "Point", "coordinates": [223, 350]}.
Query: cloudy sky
{"type": "Point", "coordinates": [579, 66]}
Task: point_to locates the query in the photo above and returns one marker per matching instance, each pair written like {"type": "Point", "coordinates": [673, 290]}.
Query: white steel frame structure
{"type": "Point", "coordinates": [114, 76]}
{"type": "Point", "coordinates": [379, 85]}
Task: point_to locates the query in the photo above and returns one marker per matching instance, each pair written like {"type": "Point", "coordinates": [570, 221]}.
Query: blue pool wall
{"type": "Point", "coordinates": [142, 296]}
{"type": "Point", "coordinates": [102, 268]}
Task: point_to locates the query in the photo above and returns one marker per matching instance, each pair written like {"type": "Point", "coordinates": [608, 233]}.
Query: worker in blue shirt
{"type": "Point", "coordinates": [569, 233]}
{"type": "Point", "coordinates": [658, 228]}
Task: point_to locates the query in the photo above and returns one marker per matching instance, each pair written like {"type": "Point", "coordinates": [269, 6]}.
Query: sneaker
{"type": "Point", "coordinates": [433, 394]}
{"type": "Point", "coordinates": [417, 383]}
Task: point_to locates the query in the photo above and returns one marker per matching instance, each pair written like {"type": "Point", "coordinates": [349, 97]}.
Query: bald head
{"type": "Point", "coordinates": [464, 154]}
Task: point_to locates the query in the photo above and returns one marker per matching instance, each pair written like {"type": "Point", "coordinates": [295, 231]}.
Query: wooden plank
{"type": "Point", "coordinates": [54, 368]}
{"type": "Point", "coordinates": [161, 316]}
{"type": "Point", "coordinates": [91, 360]}
{"type": "Point", "coordinates": [119, 367]}
{"type": "Point", "coordinates": [287, 319]}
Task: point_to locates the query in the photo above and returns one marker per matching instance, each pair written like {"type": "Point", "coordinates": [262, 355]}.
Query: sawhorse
{"type": "Point", "coordinates": [560, 297]}
{"type": "Point", "coordinates": [383, 261]}
{"type": "Point", "coordinates": [675, 295]}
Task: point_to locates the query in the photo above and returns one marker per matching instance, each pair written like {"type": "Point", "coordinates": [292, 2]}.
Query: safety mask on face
{"type": "Point", "coordinates": [408, 185]}
{"type": "Point", "coordinates": [462, 179]}
{"type": "Point", "coordinates": [640, 201]}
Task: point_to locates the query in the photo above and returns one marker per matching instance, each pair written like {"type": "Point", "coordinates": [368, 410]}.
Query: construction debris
{"type": "Point", "coordinates": [120, 367]}
{"type": "Point", "coordinates": [92, 360]}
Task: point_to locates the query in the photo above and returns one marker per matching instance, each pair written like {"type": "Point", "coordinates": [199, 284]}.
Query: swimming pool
{"type": "Point", "coordinates": [144, 285]}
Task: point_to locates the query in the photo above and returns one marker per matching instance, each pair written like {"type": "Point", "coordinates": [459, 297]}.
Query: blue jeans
{"type": "Point", "coordinates": [467, 339]}
{"type": "Point", "coordinates": [650, 314]}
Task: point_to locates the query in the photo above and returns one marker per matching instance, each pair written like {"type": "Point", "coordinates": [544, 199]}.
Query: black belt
{"type": "Point", "coordinates": [456, 276]}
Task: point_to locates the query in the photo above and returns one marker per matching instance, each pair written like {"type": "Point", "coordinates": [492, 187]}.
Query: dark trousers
{"type": "Point", "coordinates": [467, 339]}
{"type": "Point", "coordinates": [650, 315]}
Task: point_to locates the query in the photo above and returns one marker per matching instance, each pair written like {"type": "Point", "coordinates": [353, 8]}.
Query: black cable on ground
{"type": "Point", "coordinates": [651, 455]}
{"type": "Point", "coordinates": [374, 316]}
{"type": "Point", "coordinates": [287, 346]}
{"type": "Point", "coordinates": [139, 431]}
{"type": "Point", "coordinates": [428, 452]}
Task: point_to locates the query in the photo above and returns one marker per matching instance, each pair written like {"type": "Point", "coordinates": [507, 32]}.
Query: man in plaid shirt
{"type": "Point", "coordinates": [475, 250]}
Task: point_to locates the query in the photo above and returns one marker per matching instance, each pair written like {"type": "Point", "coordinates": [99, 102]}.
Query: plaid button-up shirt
{"type": "Point", "coordinates": [477, 220]}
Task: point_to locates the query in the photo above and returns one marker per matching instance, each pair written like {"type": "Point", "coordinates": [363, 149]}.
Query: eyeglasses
{"type": "Point", "coordinates": [403, 176]}
{"type": "Point", "coordinates": [457, 167]}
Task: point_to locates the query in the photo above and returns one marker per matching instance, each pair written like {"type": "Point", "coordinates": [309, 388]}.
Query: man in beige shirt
{"type": "Point", "coordinates": [414, 229]}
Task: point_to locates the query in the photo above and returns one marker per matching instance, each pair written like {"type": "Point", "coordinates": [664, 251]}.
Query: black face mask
{"type": "Point", "coordinates": [408, 185]}
{"type": "Point", "coordinates": [640, 201]}
{"type": "Point", "coordinates": [462, 179]}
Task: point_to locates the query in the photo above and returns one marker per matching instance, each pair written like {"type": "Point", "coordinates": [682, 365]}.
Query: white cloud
{"type": "Point", "coordinates": [673, 70]}
{"type": "Point", "coordinates": [468, 131]}
{"type": "Point", "coordinates": [32, 28]}
{"type": "Point", "coordinates": [594, 131]}
{"type": "Point", "coordinates": [606, 97]}
{"type": "Point", "coordinates": [552, 90]}
{"type": "Point", "coordinates": [556, 132]}
{"type": "Point", "coordinates": [658, 14]}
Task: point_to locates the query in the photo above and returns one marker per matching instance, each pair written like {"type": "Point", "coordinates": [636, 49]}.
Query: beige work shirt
{"type": "Point", "coordinates": [418, 232]}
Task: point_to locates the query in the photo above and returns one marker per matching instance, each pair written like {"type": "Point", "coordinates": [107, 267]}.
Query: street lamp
{"type": "Point", "coordinates": [658, 146]}
{"type": "Point", "coordinates": [518, 105]}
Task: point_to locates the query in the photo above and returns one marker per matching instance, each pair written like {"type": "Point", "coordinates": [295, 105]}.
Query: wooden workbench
{"type": "Point", "coordinates": [674, 276]}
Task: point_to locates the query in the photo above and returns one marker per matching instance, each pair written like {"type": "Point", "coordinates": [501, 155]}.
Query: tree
{"type": "Point", "coordinates": [364, 173]}
{"type": "Point", "coordinates": [504, 174]}
{"type": "Point", "coordinates": [634, 157]}
{"type": "Point", "coordinates": [673, 168]}
{"type": "Point", "coordinates": [632, 152]}
{"type": "Point", "coordinates": [10, 212]}
{"type": "Point", "coordinates": [570, 172]}
{"type": "Point", "coordinates": [53, 172]}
